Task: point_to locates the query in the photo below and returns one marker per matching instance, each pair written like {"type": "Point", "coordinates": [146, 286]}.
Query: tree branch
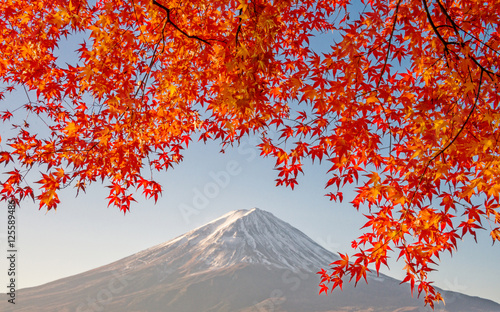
{"type": "Point", "coordinates": [239, 28]}
{"type": "Point", "coordinates": [455, 28]}
{"type": "Point", "coordinates": [434, 28]}
{"type": "Point", "coordinates": [454, 138]}
{"type": "Point", "coordinates": [177, 27]}
{"type": "Point", "coordinates": [390, 42]}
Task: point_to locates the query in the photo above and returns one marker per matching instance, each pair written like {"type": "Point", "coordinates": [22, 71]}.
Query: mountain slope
{"type": "Point", "coordinates": [246, 260]}
{"type": "Point", "coordinates": [242, 236]}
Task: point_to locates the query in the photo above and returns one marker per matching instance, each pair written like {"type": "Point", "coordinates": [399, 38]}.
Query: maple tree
{"type": "Point", "coordinates": [404, 101]}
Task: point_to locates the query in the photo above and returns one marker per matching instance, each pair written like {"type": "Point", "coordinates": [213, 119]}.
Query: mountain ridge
{"type": "Point", "coordinates": [244, 261]}
{"type": "Point", "coordinates": [240, 237]}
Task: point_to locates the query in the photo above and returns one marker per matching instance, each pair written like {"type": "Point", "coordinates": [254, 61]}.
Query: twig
{"type": "Point", "coordinates": [390, 42]}
{"type": "Point", "coordinates": [177, 27]}
{"type": "Point", "coordinates": [454, 138]}
{"type": "Point", "coordinates": [239, 27]}
{"type": "Point", "coordinates": [455, 28]}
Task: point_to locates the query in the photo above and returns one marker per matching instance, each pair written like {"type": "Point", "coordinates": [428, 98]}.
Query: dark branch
{"type": "Point", "coordinates": [452, 22]}
{"type": "Point", "coordinates": [239, 27]}
{"type": "Point", "coordinates": [434, 28]}
{"type": "Point", "coordinates": [465, 123]}
{"type": "Point", "coordinates": [455, 28]}
{"type": "Point", "coordinates": [177, 27]}
{"type": "Point", "coordinates": [454, 138]}
{"type": "Point", "coordinates": [390, 42]}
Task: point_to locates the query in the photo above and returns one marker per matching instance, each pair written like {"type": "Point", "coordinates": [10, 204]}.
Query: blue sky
{"type": "Point", "coordinates": [83, 233]}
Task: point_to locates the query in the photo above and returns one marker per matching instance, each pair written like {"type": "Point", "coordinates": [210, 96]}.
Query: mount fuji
{"type": "Point", "coordinates": [244, 261]}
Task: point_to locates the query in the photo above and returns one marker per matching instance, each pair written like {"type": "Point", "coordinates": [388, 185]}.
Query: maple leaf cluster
{"type": "Point", "coordinates": [405, 102]}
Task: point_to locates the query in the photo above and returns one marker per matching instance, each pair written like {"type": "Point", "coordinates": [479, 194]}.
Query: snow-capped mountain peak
{"type": "Point", "coordinates": [242, 236]}
{"type": "Point", "coordinates": [246, 261]}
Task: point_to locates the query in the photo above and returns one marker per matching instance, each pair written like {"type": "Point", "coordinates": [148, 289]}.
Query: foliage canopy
{"type": "Point", "coordinates": [405, 101]}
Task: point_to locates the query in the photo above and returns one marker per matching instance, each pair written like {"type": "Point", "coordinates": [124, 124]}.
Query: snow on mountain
{"type": "Point", "coordinates": [242, 236]}
{"type": "Point", "coordinates": [244, 261]}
